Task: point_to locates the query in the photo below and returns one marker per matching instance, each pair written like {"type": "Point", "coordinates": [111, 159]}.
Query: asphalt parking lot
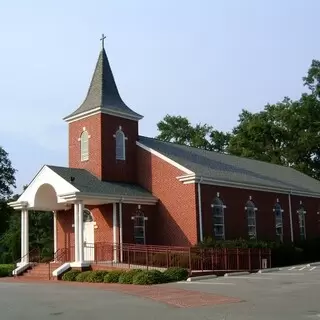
{"type": "Point", "coordinates": [292, 293]}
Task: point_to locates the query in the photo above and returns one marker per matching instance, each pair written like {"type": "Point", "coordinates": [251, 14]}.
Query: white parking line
{"type": "Point", "coordinates": [206, 282]}
{"type": "Point", "coordinates": [302, 268]}
{"type": "Point", "coordinates": [312, 268]}
{"type": "Point", "coordinates": [287, 274]}
{"type": "Point", "coordinates": [292, 268]}
{"type": "Point", "coordinates": [252, 277]}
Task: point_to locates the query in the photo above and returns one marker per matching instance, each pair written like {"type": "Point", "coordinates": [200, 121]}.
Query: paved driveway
{"type": "Point", "coordinates": [289, 294]}
{"type": "Point", "coordinates": [292, 293]}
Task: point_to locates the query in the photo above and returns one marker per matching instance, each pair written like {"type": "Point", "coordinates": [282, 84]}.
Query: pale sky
{"type": "Point", "coordinates": [205, 60]}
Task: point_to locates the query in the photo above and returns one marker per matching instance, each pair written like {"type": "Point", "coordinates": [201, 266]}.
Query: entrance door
{"type": "Point", "coordinates": [88, 236]}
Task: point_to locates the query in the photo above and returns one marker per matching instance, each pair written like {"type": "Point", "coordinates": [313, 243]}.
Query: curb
{"type": "Point", "coordinates": [313, 264]}
{"type": "Point", "coordinates": [210, 276]}
{"type": "Point", "coordinates": [269, 270]}
{"type": "Point", "coordinates": [236, 274]}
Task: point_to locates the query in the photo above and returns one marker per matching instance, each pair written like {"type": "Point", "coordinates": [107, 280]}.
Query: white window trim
{"type": "Point", "coordinates": [279, 221]}
{"type": "Point", "coordinates": [223, 235]}
{"type": "Point", "coordinates": [143, 227]}
{"type": "Point", "coordinates": [255, 220]}
{"type": "Point", "coordinates": [84, 156]}
{"type": "Point", "coordinates": [124, 139]}
{"type": "Point", "coordinates": [302, 214]}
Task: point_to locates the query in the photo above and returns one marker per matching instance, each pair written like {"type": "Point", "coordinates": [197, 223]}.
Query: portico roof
{"type": "Point", "coordinates": [53, 187]}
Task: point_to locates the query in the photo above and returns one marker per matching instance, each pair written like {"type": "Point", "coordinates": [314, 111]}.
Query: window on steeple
{"type": "Point", "coordinates": [120, 145]}
{"type": "Point", "coordinates": [84, 146]}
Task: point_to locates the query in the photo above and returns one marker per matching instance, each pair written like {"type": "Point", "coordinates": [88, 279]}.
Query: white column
{"type": "Point", "coordinates": [26, 235]}
{"type": "Point", "coordinates": [22, 235]}
{"type": "Point", "coordinates": [120, 230]}
{"type": "Point", "coordinates": [115, 255]}
{"type": "Point", "coordinates": [81, 249]}
{"type": "Point", "coordinates": [55, 239]}
{"type": "Point", "coordinates": [76, 232]}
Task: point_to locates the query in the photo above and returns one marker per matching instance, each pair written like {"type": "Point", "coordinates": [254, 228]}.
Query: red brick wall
{"type": "Point", "coordinates": [150, 212]}
{"type": "Point", "coordinates": [102, 155]}
{"type": "Point", "coordinates": [93, 126]}
{"type": "Point", "coordinates": [103, 216]}
{"type": "Point", "coordinates": [118, 170]}
{"type": "Point", "coordinates": [235, 216]}
{"type": "Point", "coordinates": [65, 231]}
{"type": "Point", "coordinates": [176, 216]}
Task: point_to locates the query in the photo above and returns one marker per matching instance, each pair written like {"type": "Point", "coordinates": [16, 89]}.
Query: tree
{"type": "Point", "coordinates": [7, 182]}
{"type": "Point", "coordinates": [285, 133]}
{"type": "Point", "coordinates": [7, 172]}
{"type": "Point", "coordinates": [179, 130]}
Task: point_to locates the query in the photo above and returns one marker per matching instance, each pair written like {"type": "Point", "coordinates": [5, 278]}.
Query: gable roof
{"type": "Point", "coordinates": [225, 168]}
{"type": "Point", "coordinates": [103, 94]}
{"type": "Point", "coordinates": [86, 182]}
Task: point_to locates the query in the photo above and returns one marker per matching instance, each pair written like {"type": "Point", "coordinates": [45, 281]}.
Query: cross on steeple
{"type": "Point", "coordinates": [102, 40]}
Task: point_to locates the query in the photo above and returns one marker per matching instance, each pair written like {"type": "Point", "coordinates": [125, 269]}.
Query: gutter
{"type": "Point", "coordinates": [200, 210]}
{"type": "Point", "coordinates": [186, 179]}
{"type": "Point", "coordinates": [290, 215]}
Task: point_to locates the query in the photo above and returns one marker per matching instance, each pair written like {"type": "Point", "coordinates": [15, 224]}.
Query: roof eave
{"type": "Point", "coordinates": [188, 179]}
{"type": "Point", "coordinates": [85, 114]}
{"type": "Point", "coordinates": [147, 200]}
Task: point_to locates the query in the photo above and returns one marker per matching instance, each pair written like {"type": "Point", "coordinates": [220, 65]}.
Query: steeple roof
{"type": "Point", "coordinates": [103, 94]}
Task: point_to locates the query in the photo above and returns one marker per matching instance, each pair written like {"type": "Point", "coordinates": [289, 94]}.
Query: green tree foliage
{"type": "Point", "coordinates": [179, 130]}
{"type": "Point", "coordinates": [285, 133]}
{"type": "Point", "coordinates": [40, 223]}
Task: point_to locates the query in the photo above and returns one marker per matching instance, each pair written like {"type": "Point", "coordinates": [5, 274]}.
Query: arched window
{"type": "Point", "coordinates": [218, 218]}
{"type": "Point", "coordinates": [120, 145]}
{"type": "Point", "coordinates": [278, 220]}
{"type": "Point", "coordinates": [84, 146]}
{"type": "Point", "coordinates": [87, 216]}
{"type": "Point", "coordinates": [139, 226]}
{"type": "Point", "coordinates": [251, 219]}
{"type": "Point", "coordinates": [302, 221]}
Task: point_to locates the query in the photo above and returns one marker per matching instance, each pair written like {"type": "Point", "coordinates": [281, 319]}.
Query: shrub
{"type": "Point", "coordinates": [70, 275]}
{"type": "Point", "coordinates": [96, 276]}
{"type": "Point", "coordinates": [82, 277]}
{"type": "Point", "coordinates": [176, 274]}
{"type": "Point", "coordinates": [149, 277]}
{"type": "Point", "coordinates": [127, 277]}
{"type": "Point", "coordinates": [6, 270]}
{"type": "Point", "coordinates": [113, 276]}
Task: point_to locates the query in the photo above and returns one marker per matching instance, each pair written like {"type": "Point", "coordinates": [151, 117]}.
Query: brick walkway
{"type": "Point", "coordinates": [179, 298]}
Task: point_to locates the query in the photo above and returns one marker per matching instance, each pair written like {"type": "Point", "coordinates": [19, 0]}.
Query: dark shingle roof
{"type": "Point", "coordinates": [233, 169]}
{"type": "Point", "coordinates": [103, 92]}
{"type": "Point", "coordinates": [86, 182]}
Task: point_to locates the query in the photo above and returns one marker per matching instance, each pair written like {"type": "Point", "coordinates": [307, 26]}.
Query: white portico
{"type": "Point", "coordinates": [58, 189]}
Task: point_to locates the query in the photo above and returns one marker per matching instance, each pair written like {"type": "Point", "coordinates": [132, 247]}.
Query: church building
{"type": "Point", "coordinates": [124, 188]}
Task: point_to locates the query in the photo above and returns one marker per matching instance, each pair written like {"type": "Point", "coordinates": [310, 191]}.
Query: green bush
{"type": "Point", "coordinates": [113, 276]}
{"type": "Point", "coordinates": [127, 277]}
{"type": "Point", "coordinates": [149, 277]}
{"type": "Point", "coordinates": [70, 275]}
{"type": "Point", "coordinates": [176, 274]}
{"type": "Point", "coordinates": [82, 277]}
{"type": "Point", "coordinates": [6, 270]}
{"type": "Point", "coordinates": [96, 276]}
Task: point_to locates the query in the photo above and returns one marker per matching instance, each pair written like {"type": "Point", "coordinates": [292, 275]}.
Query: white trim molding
{"type": "Point", "coordinates": [193, 178]}
{"type": "Point", "coordinates": [165, 158]}
{"type": "Point", "coordinates": [74, 196]}
{"type": "Point", "coordinates": [98, 110]}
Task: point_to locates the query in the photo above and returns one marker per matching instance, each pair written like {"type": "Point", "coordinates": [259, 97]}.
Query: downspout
{"type": "Point", "coordinates": [55, 240]}
{"type": "Point", "coordinates": [120, 229]}
{"type": "Point", "coordinates": [200, 210]}
{"type": "Point", "coordinates": [115, 253]}
{"type": "Point", "coordinates": [290, 215]}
